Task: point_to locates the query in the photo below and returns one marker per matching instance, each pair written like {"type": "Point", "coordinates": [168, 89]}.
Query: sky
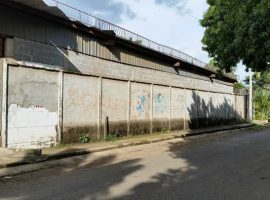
{"type": "Point", "coordinates": [170, 22]}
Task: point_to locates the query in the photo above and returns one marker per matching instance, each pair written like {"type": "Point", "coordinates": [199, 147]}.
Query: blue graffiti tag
{"type": "Point", "coordinates": [140, 104]}
{"type": "Point", "coordinates": [159, 103]}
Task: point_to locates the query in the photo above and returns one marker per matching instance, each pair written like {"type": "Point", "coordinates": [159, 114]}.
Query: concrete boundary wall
{"type": "Point", "coordinates": [75, 62]}
{"type": "Point", "coordinates": [47, 106]}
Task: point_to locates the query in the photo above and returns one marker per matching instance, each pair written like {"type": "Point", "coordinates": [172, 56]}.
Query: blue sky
{"type": "Point", "coordinates": [171, 22]}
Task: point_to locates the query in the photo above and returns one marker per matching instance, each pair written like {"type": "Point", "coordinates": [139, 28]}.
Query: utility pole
{"type": "Point", "coordinates": [250, 103]}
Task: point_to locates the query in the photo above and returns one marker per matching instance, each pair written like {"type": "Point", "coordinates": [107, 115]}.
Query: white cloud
{"type": "Point", "coordinates": [165, 25]}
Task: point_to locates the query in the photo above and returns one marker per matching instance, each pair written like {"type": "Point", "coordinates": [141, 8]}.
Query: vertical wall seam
{"type": "Point", "coordinates": [129, 108]}
{"type": "Point", "coordinates": [170, 107]}
{"type": "Point", "coordinates": [99, 107]}
{"type": "Point", "coordinates": [208, 111]}
{"type": "Point", "coordinates": [151, 109]}
{"type": "Point", "coordinates": [197, 109]}
{"type": "Point", "coordinates": [185, 111]}
{"type": "Point", "coordinates": [235, 105]}
{"type": "Point", "coordinates": [60, 106]}
{"type": "Point", "coordinates": [4, 131]}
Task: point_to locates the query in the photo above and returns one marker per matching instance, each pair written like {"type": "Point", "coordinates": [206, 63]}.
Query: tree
{"type": "Point", "coordinates": [261, 95]}
{"type": "Point", "coordinates": [237, 30]}
{"type": "Point", "coordinates": [213, 66]}
{"type": "Point", "coordinates": [260, 80]}
{"type": "Point", "coordinates": [262, 104]}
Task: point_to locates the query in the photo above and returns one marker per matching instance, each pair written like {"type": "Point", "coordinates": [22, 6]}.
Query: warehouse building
{"type": "Point", "coordinates": [65, 74]}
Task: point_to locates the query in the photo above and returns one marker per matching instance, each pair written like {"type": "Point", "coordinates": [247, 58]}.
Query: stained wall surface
{"type": "Point", "coordinates": [32, 107]}
{"type": "Point", "coordinates": [161, 108]}
{"type": "Point", "coordinates": [140, 108]}
{"type": "Point", "coordinates": [64, 83]}
{"type": "Point", "coordinates": [178, 107]}
{"type": "Point", "coordinates": [80, 106]}
{"type": "Point", "coordinates": [115, 105]}
{"type": "Point", "coordinates": [43, 103]}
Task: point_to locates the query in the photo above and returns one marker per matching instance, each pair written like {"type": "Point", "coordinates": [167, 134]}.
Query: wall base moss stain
{"type": "Point", "coordinates": [86, 100]}
{"type": "Point", "coordinates": [72, 134]}
{"type": "Point", "coordinates": [118, 129]}
{"type": "Point", "coordinates": [140, 127]}
{"type": "Point", "coordinates": [161, 125]}
{"type": "Point", "coordinates": [177, 124]}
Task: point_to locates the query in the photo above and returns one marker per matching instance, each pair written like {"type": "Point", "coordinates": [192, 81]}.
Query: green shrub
{"type": "Point", "coordinates": [84, 138]}
{"type": "Point", "coordinates": [262, 104]}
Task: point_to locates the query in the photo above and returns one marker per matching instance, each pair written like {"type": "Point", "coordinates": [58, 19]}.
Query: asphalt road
{"type": "Point", "coordinates": [225, 166]}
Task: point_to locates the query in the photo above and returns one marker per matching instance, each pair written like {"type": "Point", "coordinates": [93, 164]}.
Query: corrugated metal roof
{"type": "Point", "coordinates": [55, 11]}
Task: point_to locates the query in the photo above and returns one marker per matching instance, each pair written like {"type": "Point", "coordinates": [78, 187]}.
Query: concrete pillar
{"type": "Point", "coordinates": [60, 106]}
{"type": "Point", "coordinates": [208, 112]}
{"type": "Point", "coordinates": [170, 107]}
{"type": "Point", "coordinates": [4, 104]}
{"type": "Point", "coordinates": [185, 113]}
{"type": "Point", "coordinates": [129, 108]}
{"type": "Point", "coordinates": [151, 109]}
{"type": "Point", "coordinates": [197, 103]}
{"type": "Point", "coordinates": [235, 112]}
{"type": "Point", "coordinates": [99, 107]}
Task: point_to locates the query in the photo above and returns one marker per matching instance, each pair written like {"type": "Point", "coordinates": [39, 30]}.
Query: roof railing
{"type": "Point", "coordinates": [92, 21]}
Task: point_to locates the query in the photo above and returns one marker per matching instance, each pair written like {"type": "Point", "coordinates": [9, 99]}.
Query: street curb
{"type": "Point", "coordinates": [72, 158]}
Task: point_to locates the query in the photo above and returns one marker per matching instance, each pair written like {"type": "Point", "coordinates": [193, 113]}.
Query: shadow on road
{"type": "Point", "coordinates": [77, 182]}
{"type": "Point", "coordinates": [222, 169]}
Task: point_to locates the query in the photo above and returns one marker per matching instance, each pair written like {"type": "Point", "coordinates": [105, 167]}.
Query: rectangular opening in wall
{"type": "Point", "coordinates": [1, 47]}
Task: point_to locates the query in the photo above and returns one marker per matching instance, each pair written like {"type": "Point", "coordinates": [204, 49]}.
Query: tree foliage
{"type": "Point", "coordinates": [262, 104]}
{"type": "Point", "coordinates": [261, 95]}
{"type": "Point", "coordinates": [213, 66]}
{"type": "Point", "coordinates": [237, 30]}
{"type": "Point", "coordinates": [260, 80]}
{"type": "Point", "coordinates": [239, 86]}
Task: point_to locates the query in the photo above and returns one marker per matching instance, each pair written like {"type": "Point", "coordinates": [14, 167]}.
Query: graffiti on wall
{"type": "Point", "coordinates": [160, 103]}
{"type": "Point", "coordinates": [140, 107]}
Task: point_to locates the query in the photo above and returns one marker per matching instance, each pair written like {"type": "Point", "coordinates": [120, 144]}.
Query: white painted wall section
{"type": "Point", "coordinates": [31, 127]}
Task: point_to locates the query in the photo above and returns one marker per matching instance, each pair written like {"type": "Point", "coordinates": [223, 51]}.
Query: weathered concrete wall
{"type": "Point", "coordinates": [115, 105]}
{"type": "Point", "coordinates": [80, 107]}
{"type": "Point", "coordinates": [241, 105]}
{"type": "Point", "coordinates": [202, 108]}
{"type": "Point", "coordinates": [213, 112]}
{"type": "Point", "coordinates": [85, 82]}
{"type": "Point", "coordinates": [161, 108]}
{"type": "Point", "coordinates": [75, 62]}
{"type": "Point", "coordinates": [191, 109]}
{"type": "Point", "coordinates": [32, 107]}
{"type": "Point", "coordinates": [221, 103]}
{"type": "Point", "coordinates": [1, 96]}
{"type": "Point", "coordinates": [178, 107]}
{"type": "Point", "coordinates": [140, 110]}
{"type": "Point", "coordinates": [40, 101]}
